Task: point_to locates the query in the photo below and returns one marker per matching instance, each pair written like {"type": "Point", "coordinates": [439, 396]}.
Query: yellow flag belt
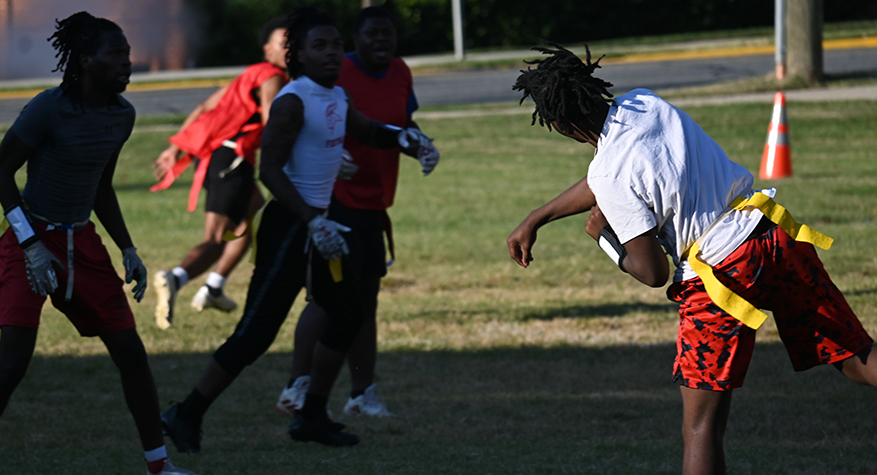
{"type": "Point", "coordinates": [722, 296]}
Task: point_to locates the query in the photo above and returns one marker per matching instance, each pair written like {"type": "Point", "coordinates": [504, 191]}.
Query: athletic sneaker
{"type": "Point", "coordinates": [186, 435]}
{"type": "Point", "coordinates": [204, 299]}
{"type": "Point", "coordinates": [293, 398]}
{"type": "Point", "coordinates": [171, 469]}
{"type": "Point", "coordinates": [322, 431]}
{"type": "Point", "coordinates": [367, 403]}
{"type": "Point", "coordinates": [166, 288]}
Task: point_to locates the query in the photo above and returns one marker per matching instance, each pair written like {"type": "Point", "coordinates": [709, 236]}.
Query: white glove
{"type": "Point", "coordinates": [326, 235]}
{"type": "Point", "coordinates": [134, 270]}
{"type": "Point", "coordinates": [348, 168]}
{"type": "Point", "coordinates": [426, 152]}
{"type": "Point", "coordinates": [40, 270]}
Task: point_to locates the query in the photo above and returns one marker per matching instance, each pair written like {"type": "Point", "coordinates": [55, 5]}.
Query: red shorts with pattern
{"type": "Point", "coordinates": [98, 304]}
{"type": "Point", "coordinates": [774, 272]}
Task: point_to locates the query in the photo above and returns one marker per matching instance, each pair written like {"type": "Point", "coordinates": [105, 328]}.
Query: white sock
{"type": "Point", "coordinates": [182, 275]}
{"type": "Point", "coordinates": [217, 281]}
{"type": "Point", "coordinates": [156, 454]}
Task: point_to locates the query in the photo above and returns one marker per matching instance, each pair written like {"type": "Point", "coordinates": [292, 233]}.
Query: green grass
{"type": "Point", "coordinates": [560, 368]}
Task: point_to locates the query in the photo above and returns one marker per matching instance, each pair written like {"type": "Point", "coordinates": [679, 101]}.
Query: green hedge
{"type": "Point", "coordinates": [230, 27]}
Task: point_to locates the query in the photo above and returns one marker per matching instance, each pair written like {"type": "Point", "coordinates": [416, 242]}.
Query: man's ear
{"type": "Point", "coordinates": [84, 61]}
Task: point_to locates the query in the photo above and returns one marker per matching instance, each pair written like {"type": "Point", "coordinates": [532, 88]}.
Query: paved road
{"type": "Point", "coordinates": [487, 86]}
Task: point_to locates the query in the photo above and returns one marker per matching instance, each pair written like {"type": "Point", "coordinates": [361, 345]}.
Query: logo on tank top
{"type": "Point", "coordinates": [333, 117]}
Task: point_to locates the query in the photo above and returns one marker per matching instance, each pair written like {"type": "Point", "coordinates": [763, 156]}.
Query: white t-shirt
{"type": "Point", "coordinates": [655, 167]}
{"type": "Point", "coordinates": [316, 155]}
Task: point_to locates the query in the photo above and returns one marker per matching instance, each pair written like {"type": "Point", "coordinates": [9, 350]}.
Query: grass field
{"type": "Point", "coordinates": [560, 368]}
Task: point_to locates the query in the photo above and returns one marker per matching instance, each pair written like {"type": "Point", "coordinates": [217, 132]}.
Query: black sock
{"type": "Point", "coordinates": [194, 407]}
{"type": "Point", "coordinates": [214, 291]}
{"type": "Point", "coordinates": [176, 281]}
{"type": "Point", "coordinates": [315, 406]}
{"type": "Point", "coordinates": [355, 394]}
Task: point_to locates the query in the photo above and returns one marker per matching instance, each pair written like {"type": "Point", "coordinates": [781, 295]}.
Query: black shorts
{"type": "Point", "coordinates": [229, 190]}
{"type": "Point", "coordinates": [365, 239]}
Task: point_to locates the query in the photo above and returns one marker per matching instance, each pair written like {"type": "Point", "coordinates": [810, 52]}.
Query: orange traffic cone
{"type": "Point", "coordinates": [776, 162]}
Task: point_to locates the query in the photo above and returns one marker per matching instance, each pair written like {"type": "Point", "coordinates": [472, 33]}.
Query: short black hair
{"type": "Point", "coordinates": [298, 24]}
{"type": "Point", "coordinates": [78, 34]}
{"type": "Point", "coordinates": [370, 12]}
{"type": "Point", "coordinates": [269, 27]}
{"type": "Point", "coordinates": [562, 88]}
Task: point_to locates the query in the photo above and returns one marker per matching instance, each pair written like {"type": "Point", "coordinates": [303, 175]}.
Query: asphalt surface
{"type": "Point", "coordinates": [178, 92]}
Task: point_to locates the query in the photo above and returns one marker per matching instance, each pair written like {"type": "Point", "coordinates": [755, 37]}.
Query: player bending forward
{"type": "Point", "coordinates": [659, 183]}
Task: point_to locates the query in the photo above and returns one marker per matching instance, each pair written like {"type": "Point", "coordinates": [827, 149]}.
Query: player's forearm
{"type": "Point", "coordinates": [577, 199]}
{"type": "Point", "coordinates": [108, 211]}
{"type": "Point", "coordinates": [285, 192]}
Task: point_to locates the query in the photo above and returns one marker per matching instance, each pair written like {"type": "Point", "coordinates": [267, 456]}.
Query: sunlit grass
{"type": "Point", "coordinates": [560, 368]}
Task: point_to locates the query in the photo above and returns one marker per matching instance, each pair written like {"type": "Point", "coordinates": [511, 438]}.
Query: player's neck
{"type": "Point", "coordinates": [92, 95]}
{"type": "Point", "coordinates": [371, 68]}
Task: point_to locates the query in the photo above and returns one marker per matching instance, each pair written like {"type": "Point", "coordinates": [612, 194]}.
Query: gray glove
{"type": "Point", "coordinates": [134, 270]}
{"type": "Point", "coordinates": [426, 153]}
{"type": "Point", "coordinates": [40, 268]}
{"type": "Point", "coordinates": [326, 235]}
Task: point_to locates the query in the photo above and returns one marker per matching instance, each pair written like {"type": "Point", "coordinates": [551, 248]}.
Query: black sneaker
{"type": "Point", "coordinates": [321, 431]}
{"type": "Point", "coordinates": [186, 435]}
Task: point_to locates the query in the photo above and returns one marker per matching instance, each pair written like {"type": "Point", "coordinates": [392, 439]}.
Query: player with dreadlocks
{"type": "Point", "coordinates": [70, 136]}
{"type": "Point", "coordinates": [658, 183]}
{"type": "Point", "coordinates": [302, 147]}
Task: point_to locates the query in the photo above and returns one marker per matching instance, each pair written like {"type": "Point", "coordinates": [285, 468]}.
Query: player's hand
{"type": "Point", "coordinates": [520, 242]}
{"type": "Point", "coordinates": [596, 222]}
{"type": "Point", "coordinates": [326, 235]}
{"type": "Point", "coordinates": [418, 145]}
{"type": "Point", "coordinates": [348, 168]}
{"type": "Point", "coordinates": [40, 268]}
{"type": "Point", "coordinates": [134, 270]}
{"type": "Point", "coordinates": [162, 166]}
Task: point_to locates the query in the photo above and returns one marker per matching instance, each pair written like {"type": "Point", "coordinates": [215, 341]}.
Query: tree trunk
{"type": "Point", "coordinates": [804, 30]}
{"type": "Point", "coordinates": [371, 3]}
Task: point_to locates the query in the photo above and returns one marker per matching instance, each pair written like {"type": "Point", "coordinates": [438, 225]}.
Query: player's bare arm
{"type": "Point", "coordinates": [577, 199]}
{"type": "Point", "coordinates": [278, 138]}
{"type": "Point", "coordinates": [106, 207]}
{"type": "Point", "coordinates": [267, 92]}
{"type": "Point", "coordinates": [13, 154]}
{"type": "Point", "coordinates": [168, 157]}
{"type": "Point", "coordinates": [643, 259]}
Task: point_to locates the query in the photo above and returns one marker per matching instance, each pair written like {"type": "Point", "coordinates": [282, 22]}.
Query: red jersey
{"type": "Point", "coordinates": [231, 117]}
{"type": "Point", "coordinates": [386, 100]}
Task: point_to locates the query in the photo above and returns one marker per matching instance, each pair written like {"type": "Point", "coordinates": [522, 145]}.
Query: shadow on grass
{"type": "Point", "coordinates": [524, 410]}
{"type": "Point", "coordinates": [601, 310]}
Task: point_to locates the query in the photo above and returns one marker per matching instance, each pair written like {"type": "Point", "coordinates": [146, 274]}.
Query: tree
{"type": "Point", "coordinates": [804, 33]}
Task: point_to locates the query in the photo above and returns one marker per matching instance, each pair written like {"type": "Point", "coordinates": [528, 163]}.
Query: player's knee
{"type": "Point", "coordinates": [340, 337]}
{"type": "Point", "coordinates": [12, 371]}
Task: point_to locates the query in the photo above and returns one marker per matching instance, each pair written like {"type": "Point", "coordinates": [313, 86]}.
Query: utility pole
{"type": "Point", "coordinates": [457, 12]}
{"type": "Point", "coordinates": [780, 41]}
{"type": "Point", "coordinates": [805, 39]}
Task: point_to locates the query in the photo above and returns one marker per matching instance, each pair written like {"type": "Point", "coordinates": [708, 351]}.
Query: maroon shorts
{"type": "Point", "coordinates": [98, 303]}
{"type": "Point", "coordinates": [774, 272]}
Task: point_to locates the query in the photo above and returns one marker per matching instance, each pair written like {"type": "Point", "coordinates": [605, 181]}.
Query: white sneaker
{"type": "Point", "coordinates": [166, 288]}
{"type": "Point", "coordinates": [171, 469]}
{"type": "Point", "coordinates": [367, 403]}
{"type": "Point", "coordinates": [293, 398]}
{"type": "Point", "coordinates": [204, 299]}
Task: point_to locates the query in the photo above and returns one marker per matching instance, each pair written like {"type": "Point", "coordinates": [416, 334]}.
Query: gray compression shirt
{"type": "Point", "coordinates": [73, 144]}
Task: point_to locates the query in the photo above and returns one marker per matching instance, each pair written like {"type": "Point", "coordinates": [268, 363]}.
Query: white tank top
{"type": "Point", "coordinates": [316, 155]}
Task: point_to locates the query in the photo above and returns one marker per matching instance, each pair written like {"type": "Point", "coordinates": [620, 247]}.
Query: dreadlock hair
{"type": "Point", "coordinates": [370, 12]}
{"type": "Point", "coordinates": [76, 35]}
{"type": "Point", "coordinates": [563, 89]}
{"type": "Point", "coordinates": [298, 24]}
{"type": "Point", "coordinates": [269, 27]}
